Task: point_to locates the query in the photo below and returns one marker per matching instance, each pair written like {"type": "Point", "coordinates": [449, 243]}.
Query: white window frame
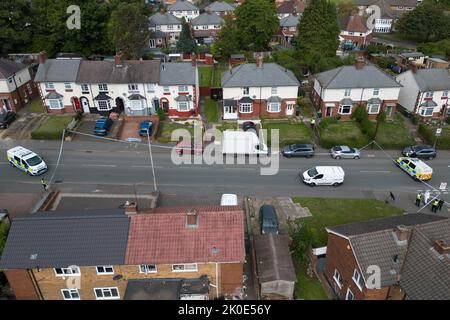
{"type": "Point", "coordinates": [166, 89]}
{"type": "Point", "coordinates": [185, 104]}
{"type": "Point", "coordinates": [144, 268]}
{"type": "Point", "coordinates": [49, 85]}
{"type": "Point", "coordinates": [170, 27]}
{"type": "Point", "coordinates": [445, 94]}
{"type": "Point", "coordinates": [347, 92]}
{"type": "Point", "coordinates": [100, 105]}
{"type": "Point", "coordinates": [341, 108]}
{"type": "Point", "coordinates": [57, 101]}
{"type": "Point", "coordinates": [273, 90]}
{"type": "Point", "coordinates": [289, 106]}
{"type": "Point", "coordinates": [184, 265]}
{"type": "Point", "coordinates": [72, 271]}
{"type": "Point", "coordinates": [371, 106]}
{"type": "Point", "coordinates": [357, 279]}
{"type": "Point", "coordinates": [10, 79]}
{"type": "Point", "coordinates": [133, 87]}
{"type": "Point", "coordinates": [136, 105]}
{"type": "Point", "coordinates": [151, 88]}
{"type": "Point", "coordinates": [102, 87]}
{"type": "Point", "coordinates": [376, 91]}
{"type": "Point", "coordinates": [246, 91]}
{"type": "Point", "coordinates": [337, 278]}
{"type": "Point", "coordinates": [347, 295]}
{"type": "Point", "coordinates": [429, 94]}
{"type": "Point", "coordinates": [84, 88]}
{"type": "Point", "coordinates": [246, 105]}
{"type": "Point", "coordinates": [67, 86]}
{"type": "Point", "coordinates": [71, 292]}
{"type": "Point", "coordinates": [183, 88]}
{"type": "Point", "coordinates": [108, 289]}
{"type": "Point", "coordinates": [425, 110]}
{"type": "Point", "coordinates": [104, 272]}
{"type": "Point", "coordinates": [30, 90]}
{"type": "Point", "coordinates": [271, 105]}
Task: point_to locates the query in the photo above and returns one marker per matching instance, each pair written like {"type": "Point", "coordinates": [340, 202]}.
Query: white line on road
{"type": "Point", "coordinates": [363, 171]}
{"type": "Point", "coordinates": [100, 165]}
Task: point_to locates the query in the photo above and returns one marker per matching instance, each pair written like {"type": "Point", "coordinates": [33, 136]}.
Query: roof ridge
{"type": "Point", "coordinates": [233, 73]}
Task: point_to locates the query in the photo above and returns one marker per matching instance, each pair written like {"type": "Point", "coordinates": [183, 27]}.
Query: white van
{"type": "Point", "coordinates": [243, 142]}
{"type": "Point", "coordinates": [332, 176]}
{"type": "Point", "coordinates": [26, 160]}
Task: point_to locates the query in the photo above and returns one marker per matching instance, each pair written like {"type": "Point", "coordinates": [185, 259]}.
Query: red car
{"type": "Point", "coordinates": [186, 147]}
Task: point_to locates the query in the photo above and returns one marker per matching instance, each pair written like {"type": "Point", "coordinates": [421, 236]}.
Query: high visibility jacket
{"type": "Point", "coordinates": [418, 197]}
{"type": "Point", "coordinates": [435, 203]}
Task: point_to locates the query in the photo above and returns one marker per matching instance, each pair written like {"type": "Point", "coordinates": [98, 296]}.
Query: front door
{"type": "Point", "coordinates": [155, 104]}
{"type": "Point", "coordinates": [289, 109]}
{"type": "Point", "coordinates": [329, 112]}
{"type": "Point", "coordinates": [85, 104]}
{"type": "Point", "coordinates": [152, 43]}
{"type": "Point", "coordinates": [165, 105]}
{"type": "Point", "coordinates": [6, 104]}
{"type": "Point", "coordinates": [388, 111]}
{"type": "Point", "coordinates": [76, 105]}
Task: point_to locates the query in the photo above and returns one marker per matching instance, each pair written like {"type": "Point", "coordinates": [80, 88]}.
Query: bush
{"type": "Point", "coordinates": [368, 128]}
{"type": "Point", "coordinates": [415, 119]}
{"type": "Point", "coordinates": [381, 117]}
{"type": "Point", "coordinates": [447, 120]}
{"type": "Point", "coordinates": [360, 114]}
{"type": "Point", "coordinates": [324, 123]}
{"type": "Point", "coordinates": [161, 114]}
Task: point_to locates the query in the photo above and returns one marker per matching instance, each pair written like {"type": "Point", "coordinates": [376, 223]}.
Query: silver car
{"type": "Point", "coordinates": [340, 152]}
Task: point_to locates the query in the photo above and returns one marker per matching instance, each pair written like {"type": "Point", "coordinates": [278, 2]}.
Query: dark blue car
{"type": "Point", "coordinates": [145, 128]}
{"type": "Point", "coordinates": [102, 126]}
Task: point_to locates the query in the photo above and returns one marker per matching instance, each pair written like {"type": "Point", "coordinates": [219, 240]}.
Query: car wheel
{"type": "Point", "coordinates": [312, 184]}
{"type": "Point", "coordinates": [335, 184]}
{"type": "Point", "coordinates": [430, 157]}
{"type": "Point", "coordinates": [337, 157]}
{"type": "Point", "coordinates": [309, 156]}
{"type": "Point", "coordinates": [356, 158]}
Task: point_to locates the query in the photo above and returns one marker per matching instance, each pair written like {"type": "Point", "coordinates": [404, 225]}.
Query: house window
{"type": "Point", "coordinates": [150, 88]}
{"type": "Point", "coordinates": [350, 33]}
{"type": "Point", "coordinates": [349, 295]}
{"type": "Point", "coordinates": [347, 92]}
{"type": "Point", "coordinates": [169, 27]}
{"type": "Point", "coordinates": [105, 270]}
{"type": "Point", "coordinates": [103, 87]}
{"type": "Point", "coordinates": [67, 86]}
{"type": "Point", "coordinates": [183, 89]}
{"type": "Point", "coordinates": [246, 108]}
{"type": "Point", "coordinates": [56, 104]}
{"type": "Point", "coordinates": [30, 91]}
{"type": "Point", "coordinates": [429, 94]}
{"type": "Point", "coordinates": [357, 279]}
{"type": "Point", "coordinates": [245, 91]}
{"type": "Point", "coordinates": [106, 293]}
{"type": "Point", "coordinates": [184, 267]}
{"type": "Point", "coordinates": [71, 271]}
{"type": "Point", "coordinates": [49, 86]}
{"type": "Point", "coordinates": [147, 268]}
{"type": "Point", "coordinates": [136, 104]}
{"type": "Point", "coordinates": [197, 27]}
{"type": "Point", "coordinates": [274, 107]}
{"type": "Point", "coordinates": [183, 106]}
{"type": "Point", "coordinates": [273, 90]}
{"type": "Point", "coordinates": [84, 88]}
{"type": "Point", "coordinates": [70, 294]}
{"type": "Point", "coordinates": [133, 87]}
{"type": "Point", "coordinates": [10, 80]}
{"type": "Point", "coordinates": [373, 108]}
{"type": "Point", "coordinates": [345, 109]}
{"type": "Point", "coordinates": [158, 27]}
{"type": "Point", "coordinates": [166, 89]}
{"type": "Point", "coordinates": [376, 92]}
{"type": "Point", "coordinates": [104, 105]}
{"type": "Point", "coordinates": [445, 94]}
{"type": "Point", "coordinates": [337, 278]}
{"type": "Point", "coordinates": [427, 112]}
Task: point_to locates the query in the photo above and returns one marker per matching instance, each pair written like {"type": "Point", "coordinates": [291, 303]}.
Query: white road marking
{"type": "Point", "coordinates": [100, 165]}
{"type": "Point", "coordinates": [370, 156]}
{"type": "Point", "coordinates": [375, 171]}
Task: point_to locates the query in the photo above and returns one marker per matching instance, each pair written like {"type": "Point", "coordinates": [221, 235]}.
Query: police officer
{"type": "Point", "coordinates": [44, 184]}
{"type": "Point", "coordinates": [434, 205]}
{"type": "Point", "coordinates": [418, 199]}
{"type": "Point", "coordinates": [440, 204]}
{"type": "Point", "coordinates": [313, 123]}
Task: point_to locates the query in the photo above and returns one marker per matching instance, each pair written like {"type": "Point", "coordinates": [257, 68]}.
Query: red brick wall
{"type": "Point", "coordinates": [360, 41]}
{"type": "Point", "coordinates": [20, 95]}
{"type": "Point", "coordinates": [21, 284]}
{"type": "Point", "coordinates": [176, 113]}
{"type": "Point", "coordinates": [66, 109]}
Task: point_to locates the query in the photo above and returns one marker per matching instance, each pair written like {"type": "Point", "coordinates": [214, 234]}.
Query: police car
{"type": "Point", "coordinates": [27, 161]}
{"type": "Point", "coordinates": [416, 168]}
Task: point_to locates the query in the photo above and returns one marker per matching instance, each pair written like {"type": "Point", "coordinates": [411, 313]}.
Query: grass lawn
{"type": "Point", "coordinates": [205, 74]}
{"type": "Point", "coordinates": [342, 133]}
{"type": "Point", "coordinates": [166, 128]}
{"type": "Point", "coordinates": [428, 133]}
{"type": "Point", "coordinates": [34, 106]}
{"type": "Point", "coordinates": [289, 132]}
{"type": "Point", "coordinates": [212, 110]}
{"type": "Point", "coordinates": [387, 130]}
{"type": "Point", "coordinates": [227, 126]}
{"type": "Point", "coordinates": [52, 128]}
{"type": "Point", "coordinates": [308, 288]}
{"type": "Point", "coordinates": [218, 75]}
{"type": "Point", "coordinates": [332, 211]}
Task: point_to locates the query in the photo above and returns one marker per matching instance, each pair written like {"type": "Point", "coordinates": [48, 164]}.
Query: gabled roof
{"type": "Point", "coordinates": [159, 19]}
{"type": "Point", "coordinates": [355, 23]}
{"type": "Point", "coordinates": [290, 21]}
{"type": "Point", "coordinates": [248, 75]}
{"type": "Point", "coordinates": [8, 68]}
{"type": "Point", "coordinates": [48, 241]}
{"type": "Point", "coordinates": [426, 273]}
{"type": "Point", "coordinates": [385, 6]}
{"type": "Point", "coordinates": [432, 79]}
{"type": "Point", "coordinates": [131, 71]}
{"type": "Point", "coordinates": [292, 6]}
{"type": "Point", "coordinates": [219, 6]}
{"type": "Point", "coordinates": [347, 77]}
{"type": "Point", "coordinates": [177, 73]}
{"type": "Point", "coordinates": [58, 70]}
{"type": "Point", "coordinates": [182, 5]}
{"type": "Point", "coordinates": [207, 19]}
{"type": "Point", "coordinates": [163, 237]}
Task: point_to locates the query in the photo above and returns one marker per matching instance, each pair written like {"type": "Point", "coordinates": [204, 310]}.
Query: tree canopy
{"type": "Point", "coordinates": [186, 43]}
{"type": "Point", "coordinates": [227, 39]}
{"type": "Point", "coordinates": [15, 34]}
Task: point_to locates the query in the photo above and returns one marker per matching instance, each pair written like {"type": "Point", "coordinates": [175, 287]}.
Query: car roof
{"type": "Point", "coordinates": [302, 145]}
{"type": "Point", "coordinates": [422, 146]}
{"type": "Point", "coordinates": [268, 211]}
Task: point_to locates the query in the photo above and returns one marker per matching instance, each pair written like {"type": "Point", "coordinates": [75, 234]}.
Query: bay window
{"type": "Point", "coordinates": [56, 104]}
{"type": "Point", "coordinates": [246, 108]}
{"type": "Point", "coordinates": [373, 108]}
{"type": "Point", "coordinates": [136, 104]}
{"type": "Point", "coordinates": [345, 109]}
{"type": "Point", "coordinates": [427, 112]}
{"type": "Point", "coordinates": [183, 106]}
{"type": "Point", "coordinates": [274, 107]}
{"type": "Point", "coordinates": [104, 105]}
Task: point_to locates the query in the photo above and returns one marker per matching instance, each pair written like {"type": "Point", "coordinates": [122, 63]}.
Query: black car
{"type": "Point", "coordinates": [420, 151]}
{"type": "Point", "coordinates": [6, 119]}
{"type": "Point", "coordinates": [268, 219]}
{"type": "Point", "coordinates": [298, 150]}
{"type": "Point", "coordinates": [247, 125]}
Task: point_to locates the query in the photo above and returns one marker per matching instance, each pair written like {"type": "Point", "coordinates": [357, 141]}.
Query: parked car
{"type": "Point", "coordinates": [323, 175]}
{"type": "Point", "coordinates": [6, 119]}
{"type": "Point", "coordinates": [247, 125]}
{"type": "Point", "coordinates": [298, 150]}
{"type": "Point", "coordinates": [420, 151]}
{"type": "Point", "coordinates": [183, 147]}
{"type": "Point", "coordinates": [229, 199]}
{"type": "Point", "coordinates": [340, 152]}
{"type": "Point", "coordinates": [102, 126]}
{"type": "Point", "coordinates": [145, 128]}
{"type": "Point", "coordinates": [26, 160]}
{"type": "Point", "coordinates": [268, 219]}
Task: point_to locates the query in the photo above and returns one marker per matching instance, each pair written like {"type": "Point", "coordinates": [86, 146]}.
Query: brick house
{"type": "Point", "coordinates": [354, 32]}
{"type": "Point", "coordinates": [16, 86]}
{"type": "Point", "coordinates": [425, 92]}
{"type": "Point", "coordinates": [259, 89]}
{"type": "Point", "coordinates": [107, 254]}
{"type": "Point", "coordinates": [134, 87]}
{"type": "Point", "coordinates": [338, 92]}
{"type": "Point", "coordinates": [221, 8]}
{"type": "Point", "coordinates": [288, 29]}
{"type": "Point", "coordinates": [393, 244]}
{"type": "Point", "coordinates": [166, 30]}
{"type": "Point", "coordinates": [290, 7]}
{"type": "Point", "coordinates": [184, 9]}
{"type": "Point", "coordinates": [206, 27]}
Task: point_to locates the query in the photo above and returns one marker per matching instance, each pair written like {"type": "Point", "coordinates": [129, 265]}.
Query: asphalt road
{"type": "Point", "coordinates": [123, 168]}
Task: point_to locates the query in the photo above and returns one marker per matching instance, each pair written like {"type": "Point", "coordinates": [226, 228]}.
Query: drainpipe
{"type": "Point", "coordinates": [35, 283]}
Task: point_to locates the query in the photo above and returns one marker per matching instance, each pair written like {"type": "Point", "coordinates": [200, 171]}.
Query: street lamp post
{"type": "Point", "coordinates": [151, 160]}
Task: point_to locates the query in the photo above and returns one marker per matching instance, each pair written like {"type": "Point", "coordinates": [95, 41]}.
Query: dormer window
{"type": "Point", "coordinates": [103, 87]}
{"type": "Point", "coordinates": [133, 87]}
{"type": "Point", "coordinates": [49, 86]}
{"type": "Point", "coordinates": [192, 218]}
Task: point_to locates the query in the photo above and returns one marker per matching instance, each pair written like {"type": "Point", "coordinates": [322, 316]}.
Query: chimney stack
{"type": "Point", "coordinates": [119, 59]}
{"type": "Point", "coordinates": [130, 208]}
{"type": "Point", "coordinates": [402, 232]}
{"type": "Point", "coordinates": [192, 218]}
{"type": "Point", "coordinates": [259, 61]}
{"type": "Point", "coordinates": [442, 247]}
{"type": "Point", "coordinates": [42, 57]}
{"type": "Point", "coordinates": [359, 64]}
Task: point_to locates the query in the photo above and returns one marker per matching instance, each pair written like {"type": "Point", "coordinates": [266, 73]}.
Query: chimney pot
{"type": "Point", "coordinates": [259, 61]}
{"type": "Point", "coordinates": [442, 247]}
{"type": "Point", "coordinates": [359, 64]}
{"type": "Point", "coordinates": [413, 67]}
{"type": "Point", "coordinates": [119, 59]}
{"type": "Point", "coordinates": [194, 59]}
{"type": "Point", "coordinates": [42, 57]}
{"type": "Point", "coordinates": [130, 208]}
{"type": "Point", "coordinates": [402, 232]}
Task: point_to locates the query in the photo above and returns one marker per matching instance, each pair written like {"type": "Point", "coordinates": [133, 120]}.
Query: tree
{"type": "Point", "coordinates": [15, 33]}
{"type": "Point", "coordinates": [128, 29]}
{"type": "Point", "coordinates": [427, 22]}
{"type": "Point", "coordinates": [227, 40]}
{"type": "Point", "coordinates": [186, 43]}
{"type": "Point", "coordinates": [439, 48]}
{"type": "Point", "coordinates": [345, 8]}
{"type": "Point", "coordinates": [256, 22]}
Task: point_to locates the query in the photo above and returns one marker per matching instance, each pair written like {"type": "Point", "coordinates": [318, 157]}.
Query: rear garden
{"type": "Point", "coordinates": [210, 76]}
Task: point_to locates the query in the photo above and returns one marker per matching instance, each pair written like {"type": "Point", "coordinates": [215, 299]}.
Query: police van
{"type": "Point", "coordinates": [26, 160]}
{"type": "Point", "coordinates": [416, 168]}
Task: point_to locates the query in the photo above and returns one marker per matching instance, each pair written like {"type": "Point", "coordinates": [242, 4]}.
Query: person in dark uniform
{"type": "Point", "coordinates": [418, 199]}
{"type": "Point", "coordinates": [440, 204]}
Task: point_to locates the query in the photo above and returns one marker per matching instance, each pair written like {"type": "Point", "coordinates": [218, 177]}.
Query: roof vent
{"type": "Point", "coordinates": [215, 250]}
{"type": "Point", "coordinates": [395, 258]}
{"type": "Point", "coordinates": [402, 233]}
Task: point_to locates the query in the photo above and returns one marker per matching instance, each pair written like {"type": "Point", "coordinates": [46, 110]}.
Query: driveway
{"type": "Point", "coordinates": [130, 127]}
{"type": "Point", "coordinates": [22, 127]}
{"type": "Point", "coordinates": [88, 126]}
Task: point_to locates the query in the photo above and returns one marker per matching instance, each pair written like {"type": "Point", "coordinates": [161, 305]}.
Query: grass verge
{"type": "Point", "coordinates": [52, 128]}
{"type": "Point", "coordinates": [212, 110]}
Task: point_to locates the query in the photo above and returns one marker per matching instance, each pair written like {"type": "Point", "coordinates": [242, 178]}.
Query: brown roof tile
{"type": "Point", "coordinates": [354, 23]}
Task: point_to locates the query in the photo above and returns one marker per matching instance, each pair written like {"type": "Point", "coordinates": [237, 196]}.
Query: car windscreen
{"type": "Point", "coordinates": [337, 149]}
{"type": "Point", "coordinates": [312, 172]}
{"type": "Point", "coordinates": [34, 161]}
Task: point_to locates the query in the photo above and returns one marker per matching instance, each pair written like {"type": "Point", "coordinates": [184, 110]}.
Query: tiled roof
{"type": "Point", "coordinates": [182, 5]}
{"type": "Point", "coordinates": [432, 79]}
{"type": "Point", "coordinates": [159, 19]}
{"type": "Point", "coordinates": [346, 77]}
{"type": "Point", "coordinates": [219, 6]}
{"type": "Point", "coordinates": [8, 68]}
{"type": "Point", "coordinates": [290, 21]}
{"type": "Point", "coordinates": [177, 73]}
{"type": "Point", "coordinates": [354, 23]}
{"type": "Point", "coordinates": [207, 19]}
{"type": "Point", "coordinates": [292, 6]}
{"type": "Point", "coordinates": [248, 75]}
{"type": "Point", "coordinates": [58, 70]}
{"type": "Point", "coordinates": [163, 236]}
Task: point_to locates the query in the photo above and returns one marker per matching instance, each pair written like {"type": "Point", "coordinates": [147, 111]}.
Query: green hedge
{"type": "Point", "coordinates": [428, 133]}
{"type": "Point", "coordinates": [52, 128]}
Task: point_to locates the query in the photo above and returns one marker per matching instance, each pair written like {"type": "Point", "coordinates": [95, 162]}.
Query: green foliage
{"type": "Point", "coordinates": [384, 62]}
{"type": "Point", "coordinates": [256, 22]}
{"type": "Point", "coordinates": [52, 128]}
{"type": "Point", "coordinates": [161, 114]}
{"type": "Point", "coordinates": [324, 123]}
{"type": "Point", "coordinates": [360, 114]}
{"type": "Point", "coordinates": [439, 48]}
{"type": "Point", "coordinates": [375, 48]}
{"type": "Point", "coordinates": [447, 120]}
{"type": "Point", "coordinates": [341, 133]}
{"type": "Point", "coordinates": [186, 43]}
{"type": "Point", "coordinates": [415, 119]}
{"type": "Point", "coordinates": [288, 60]}
{"type": "Point", "coordinates": [428, 133]}
{"type": "Point", "coordinates": [302, 238]}
{"type": "Point", "coordinates": [381, 117]}
{"type": "Point", "coordinates": [15, 35]}
{"type": "Point", "coordinates": [227, 39]}
{"type": "Point", "coordinates": [3, 235]}
{"type": "Point", "coordinates": [367, 128]}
